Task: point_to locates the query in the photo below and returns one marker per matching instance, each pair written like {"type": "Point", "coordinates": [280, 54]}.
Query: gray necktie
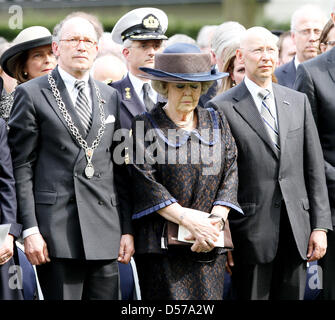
{"type": "Point", "coordinates": [149, 104]}
{"type": "Point", "coordinates": [82, 106]}
{"type": "Point", "coordinates": [268, 117]}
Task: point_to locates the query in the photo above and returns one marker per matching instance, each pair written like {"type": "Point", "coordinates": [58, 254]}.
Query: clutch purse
{"type": "Point", "coordinates": [172, 236]}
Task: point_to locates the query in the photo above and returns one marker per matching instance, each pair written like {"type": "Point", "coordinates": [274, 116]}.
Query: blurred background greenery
{"type": "Point", "coordinates": [184, 16]}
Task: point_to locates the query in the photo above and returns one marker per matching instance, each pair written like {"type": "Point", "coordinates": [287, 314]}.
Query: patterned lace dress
{"type": "Point", "coordinates": [196, 169]}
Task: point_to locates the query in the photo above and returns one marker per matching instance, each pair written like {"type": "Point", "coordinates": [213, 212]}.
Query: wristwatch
{"type": "Point", "coordinates": [222, 222]}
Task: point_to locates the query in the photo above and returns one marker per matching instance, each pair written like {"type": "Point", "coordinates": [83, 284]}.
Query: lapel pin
{"type": "Point", "coordinates": [286, 102]}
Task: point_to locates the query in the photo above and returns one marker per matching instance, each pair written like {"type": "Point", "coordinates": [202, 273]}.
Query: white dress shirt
{"type": "Point", "coordinates": [138, 87]}
{"type": "Point", "coordinates": [254, 89]}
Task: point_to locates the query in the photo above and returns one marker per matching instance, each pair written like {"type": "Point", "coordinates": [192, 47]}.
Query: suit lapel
{"type": "Point", "coordinates": [67, 101]}
{"type": "Point", "coordinates": [130, 99]}
{"type": "Point", "coordinates": [283, 115]}
{"type": "Point", "coordinates": [246, 107]}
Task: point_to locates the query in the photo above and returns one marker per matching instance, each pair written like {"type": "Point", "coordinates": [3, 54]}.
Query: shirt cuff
{"type": "Point", "coordinates": [28, 232]}
{"type": "Point", "coordinates": [320, 229]}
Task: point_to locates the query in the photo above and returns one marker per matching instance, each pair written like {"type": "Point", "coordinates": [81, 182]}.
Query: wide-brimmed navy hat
{"type": "Point", "coordinates": [182, 62]}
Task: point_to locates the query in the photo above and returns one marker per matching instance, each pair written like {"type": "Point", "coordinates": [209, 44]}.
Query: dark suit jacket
{"type": "Point", "coordinates": [286, 74]}
{"type": "Point", "coordinates": [78, 217]}
{"type": "Point", "coordinates": [316, 78]}
{"type": "Point", "coordinates": [130, 105]}
{"type": "Point", "coordinates": [297, 177]}
{"type": "Point", "coordinates": [8, 205]}
{"type": "Point", "coordinates": [210, 94]}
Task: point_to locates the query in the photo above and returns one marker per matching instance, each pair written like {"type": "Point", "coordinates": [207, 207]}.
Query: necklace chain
{"type": "Point", "coordinates": [67, 117]}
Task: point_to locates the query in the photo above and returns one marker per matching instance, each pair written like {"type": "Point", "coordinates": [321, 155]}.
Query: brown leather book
{"type": "Point", "coordinates": [172, 236]}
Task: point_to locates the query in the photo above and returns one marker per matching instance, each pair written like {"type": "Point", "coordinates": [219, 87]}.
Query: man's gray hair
{"type": "Point", "coordinates": [307, 10]}
{"type": "Point", "coordinates": [83, 15]}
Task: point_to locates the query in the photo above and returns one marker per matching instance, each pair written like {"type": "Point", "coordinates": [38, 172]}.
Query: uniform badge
{"type": "Point", "coordinates": [150, 22]}
{"type": "Point", "coordinates": [127, 90]}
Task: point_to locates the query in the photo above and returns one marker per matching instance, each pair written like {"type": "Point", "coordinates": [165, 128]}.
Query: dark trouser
{"type": "Point", "coordinates": [11, 281]}
{"type": "Point", "coordinates": [282, 279]}
{"type": "Point", "coordinates": [71, 279]}
{"type": "Point", "coordinates": [327, 264]}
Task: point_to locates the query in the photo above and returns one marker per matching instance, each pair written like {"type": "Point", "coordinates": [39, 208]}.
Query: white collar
{"type": "Point", "coordinates": [296, 62]}
{"type": "Point", "coordinates": [70, 80]}
{"type": "Point", "coordinates": [254, 89]}
{"type": "Point", "coordinates": [138, 87]}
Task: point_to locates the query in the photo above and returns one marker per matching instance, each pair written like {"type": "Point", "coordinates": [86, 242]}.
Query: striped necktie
{"type": "Point", "coordinates": [269, 119]}
{"type": "Point", "coordinates": [149, 104]}
{"type": "Point", "coordinates": [82, 106]}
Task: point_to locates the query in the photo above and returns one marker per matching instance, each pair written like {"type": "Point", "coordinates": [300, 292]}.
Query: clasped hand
{"type": "Point", "coordinates": [204, 231]}
{"type": "Point", "coordinates": [7, 250]}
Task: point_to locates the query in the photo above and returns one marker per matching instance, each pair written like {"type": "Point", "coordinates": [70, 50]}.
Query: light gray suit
{"type": "Point", "coordinates": [283, 197]}
{"type": "Point", "coordinates": [79, 218]}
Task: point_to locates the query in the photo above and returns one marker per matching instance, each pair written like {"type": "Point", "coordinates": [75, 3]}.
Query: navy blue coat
{"type": "Point", "coordinates": [286, 74]}
{"type": "Point", "coordinates": [130, 104]}
{"type": "Point", "coordinates": [7, 212]}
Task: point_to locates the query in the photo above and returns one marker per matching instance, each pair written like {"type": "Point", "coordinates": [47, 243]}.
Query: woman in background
{"type": "Point", "coordinates": [29, 56]}
{"type": "Point", "coordinates": [225, 41]}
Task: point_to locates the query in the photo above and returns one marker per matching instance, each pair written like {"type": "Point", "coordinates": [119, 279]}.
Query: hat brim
{"type": "Point", "coordinates": [156, 74]}
{"type": "Point", "coordinates": [9, 58]}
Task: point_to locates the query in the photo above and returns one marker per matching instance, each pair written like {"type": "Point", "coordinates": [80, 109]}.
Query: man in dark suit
{"type": "Point", "coordinates": [316, 78]}
{"type": "Point", "coordinates": [8, 216]}
{"type": "Point", "coordinates": [141, 32]}
{"type": "Point", "coordinates": [282, 188]}
{"type": "Point", "coordinates": [72, 200]}
{"type": "Point", "coordinates": [306, 26]}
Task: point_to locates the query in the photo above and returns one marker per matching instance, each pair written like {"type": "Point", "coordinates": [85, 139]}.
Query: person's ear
{"type": "Point", "coordinates": [55, 48]}
{"type": "Point", "coordinates": [125, 52]}
{"type": "Point", "coordinates": [239, 56]}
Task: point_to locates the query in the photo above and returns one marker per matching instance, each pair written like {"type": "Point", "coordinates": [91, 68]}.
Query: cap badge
{"type": "Point", "coordinates": [150, 22]}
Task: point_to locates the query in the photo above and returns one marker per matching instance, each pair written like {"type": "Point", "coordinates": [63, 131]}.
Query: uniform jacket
{"type": "Point", "coordinates": [130, 105]}
{"type": "Point", "coordinates": [286, 74]}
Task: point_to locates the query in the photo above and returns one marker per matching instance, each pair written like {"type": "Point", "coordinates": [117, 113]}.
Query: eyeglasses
{"type": "Point", "coordinates": [330, 43]}
{"type": "Point", "coordinates": [88, 43]}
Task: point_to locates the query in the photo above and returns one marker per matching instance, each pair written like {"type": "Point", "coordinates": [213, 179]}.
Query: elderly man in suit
{"type": "Point", "coordinates": [307, 23]}
{"type": "Point", "coordinates": [141, 32]}
{"type": "Point", "coordinates": [316, 78]}
{"type": "Point", "coordinates": [72, 200]}
{"type": "Point", "coordinates": [282, 188]}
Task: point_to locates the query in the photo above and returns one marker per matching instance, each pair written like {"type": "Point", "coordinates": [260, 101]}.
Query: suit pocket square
{"type": "Point", "coordinates": [110, 119]}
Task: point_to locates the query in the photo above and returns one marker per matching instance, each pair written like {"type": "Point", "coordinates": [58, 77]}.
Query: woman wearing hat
{"type": "Point", "coordinates": [183, 168]}
{"type": "Point", "coordinates": [29, 56]}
